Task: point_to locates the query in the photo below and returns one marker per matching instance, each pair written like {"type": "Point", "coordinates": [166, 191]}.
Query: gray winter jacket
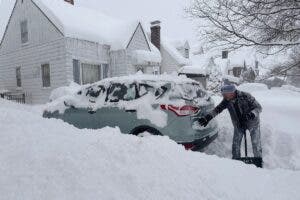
{"type": "Point", "coordinates": [243, 104]}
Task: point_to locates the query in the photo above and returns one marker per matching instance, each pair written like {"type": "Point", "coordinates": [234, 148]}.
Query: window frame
{"type": "Point", "coordinates": [22, 31]}
{"type": "Point", "coordinates": [42, 75]}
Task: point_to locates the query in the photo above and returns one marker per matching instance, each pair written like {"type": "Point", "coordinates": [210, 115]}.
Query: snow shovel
{"type": "Point", "coordinates": [250, 160]}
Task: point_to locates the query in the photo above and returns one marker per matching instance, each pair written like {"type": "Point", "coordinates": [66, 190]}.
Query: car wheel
{"type": "Point", "coordinates": [144, 131]}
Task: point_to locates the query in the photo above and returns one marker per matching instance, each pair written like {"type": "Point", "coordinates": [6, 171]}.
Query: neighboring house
{"type": "Point", "coordinates": [195, 72]}
{"type": "Point", "coordinates": [175, 54]}
{"type": "Point", "coordinates": [50, 43]}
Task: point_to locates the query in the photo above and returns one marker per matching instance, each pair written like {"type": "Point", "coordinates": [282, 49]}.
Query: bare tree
{"type": "Point", "coordinates": [266, 24]}
{"type": "Point", "coordinates": [236, 23]}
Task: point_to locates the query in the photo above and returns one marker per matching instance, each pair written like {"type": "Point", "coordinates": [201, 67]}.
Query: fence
{"type": "Point", "coordinates": [16, 97]}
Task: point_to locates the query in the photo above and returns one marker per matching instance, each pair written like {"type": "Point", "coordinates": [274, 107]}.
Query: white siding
{"type": "Point", "coordinates": [138, 40]}
{"type": "Point", "coordinates": [41, 30]}
{"type": "Point", "coordinates": [119, 66]}
{"type": "Point", "coordinates": [46, 45]}
{"type": "Point", "coordinates": [30, 59]}
{"type": "Point", "coordinates": [168, 63]}
{"type": "Point", "coordinates": [85, 52]}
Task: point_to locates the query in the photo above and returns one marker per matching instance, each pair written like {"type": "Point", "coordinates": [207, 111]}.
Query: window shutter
{"type": "Point", "coordinates": [76, 71]}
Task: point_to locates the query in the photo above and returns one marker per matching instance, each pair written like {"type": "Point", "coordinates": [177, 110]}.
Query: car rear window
{"type": "Point", "coordinates": [187, 91]}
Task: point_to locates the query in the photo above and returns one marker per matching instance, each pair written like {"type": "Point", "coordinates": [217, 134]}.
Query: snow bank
{"type": "Point", "coordinates": [280, 127]}
{"type": "Point", "coordinates": [48, 159]}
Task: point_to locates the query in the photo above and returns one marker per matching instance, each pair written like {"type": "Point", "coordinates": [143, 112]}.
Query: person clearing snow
{"type": "Point", "coordinates": [244, 111]}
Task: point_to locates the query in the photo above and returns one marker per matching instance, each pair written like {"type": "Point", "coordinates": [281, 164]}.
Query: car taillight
{"type": "Point", "coordinates": [181, 111]}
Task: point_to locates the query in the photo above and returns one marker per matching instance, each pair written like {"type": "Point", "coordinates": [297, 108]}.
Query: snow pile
{"type": "Point", "coordinates": [279, 127]}
{"type": "Point", "coordinates": [192, 69]}
{"type": "Point", "coordinates": [49, 159]}
{"type": "Point", "coordinates": [70, 90]}
{"type": "Point", "coordinates": [90, 25]}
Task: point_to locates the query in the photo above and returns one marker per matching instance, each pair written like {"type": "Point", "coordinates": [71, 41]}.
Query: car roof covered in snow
{"type": "Point", "coordinates": [139, 77]}
{"type": "Point", "coordinates": [88, 24]}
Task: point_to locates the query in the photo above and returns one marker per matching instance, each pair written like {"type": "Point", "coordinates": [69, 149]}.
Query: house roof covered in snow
{"type": "Point", "coordinates": [192, 69]}
{"type": "Point", "coordinates": [88, 24]}
{"type": "Point", "coordinates": [171, 48]}
{"type": "Point", "coordinates": [78, 22]}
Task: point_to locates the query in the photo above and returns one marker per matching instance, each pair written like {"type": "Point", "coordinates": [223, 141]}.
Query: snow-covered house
{"type": "Point", "coordinates": [175, 53]}
{"type": "Point", "coordinates": [50, 43]}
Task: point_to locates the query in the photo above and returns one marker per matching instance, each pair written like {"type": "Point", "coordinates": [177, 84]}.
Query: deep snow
{"type": "Point", "coordinates": [280, 127]}
{"type": "Point", "coordinates": [49, 159]}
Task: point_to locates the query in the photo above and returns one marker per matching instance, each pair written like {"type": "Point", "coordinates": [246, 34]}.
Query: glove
{"type": "Point", "coordinates": [249, 116]}
{"type": "Point", "coordinates": [203, 121]}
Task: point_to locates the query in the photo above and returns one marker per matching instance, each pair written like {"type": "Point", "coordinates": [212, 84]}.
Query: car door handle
{"type": "Point", "coordinates": [130, 111]}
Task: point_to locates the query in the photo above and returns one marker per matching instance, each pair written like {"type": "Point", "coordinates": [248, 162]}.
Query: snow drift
{"type": "Point", "coordinates": [49, 159]}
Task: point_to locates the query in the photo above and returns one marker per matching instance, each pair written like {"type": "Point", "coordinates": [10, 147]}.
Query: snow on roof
{"type": "Point", "coordinates": [88, 24]}
{"type": "Point", "coordinates": [192, 69]}
{"type": "Point", "coordinates": [6, 7]}
{"type": "Point", "coordinates": [171, 49]}
{"type": "Point", "coordinates": [143, 57]}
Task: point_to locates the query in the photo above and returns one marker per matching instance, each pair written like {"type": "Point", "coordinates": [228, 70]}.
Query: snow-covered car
{"type": "Point", "coordinates": [160, 105]}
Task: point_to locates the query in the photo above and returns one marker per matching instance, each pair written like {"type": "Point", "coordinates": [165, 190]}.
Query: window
{"type": "Point", "coordinates": [186, 53]}
{"type": "Point", "coordinates": [18, 77]}
{"type": "Point", "coordinates": [224, 54]}
{"type": "Point", "coordinates": [76, 71]}
{"type": "Point", "coordinates": [46, 75]}
{"type": "Point", "coordinates": [105, 68]}
{"type": "Point", "coordinates": [24, 32]}
{"type": "Point", "coordinates": [90, 73]}
{"type": "Point", "coordinates": [118, 91]}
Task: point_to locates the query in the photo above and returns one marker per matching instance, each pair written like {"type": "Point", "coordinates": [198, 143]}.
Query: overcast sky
{"type": "Point", "coordinates": [175, 25]}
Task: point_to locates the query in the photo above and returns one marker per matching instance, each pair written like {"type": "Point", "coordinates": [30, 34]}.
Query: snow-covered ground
{"type": "Point", "coordinates": [49, 159]}
{"type": "Point", "coordinates": [280, 127]}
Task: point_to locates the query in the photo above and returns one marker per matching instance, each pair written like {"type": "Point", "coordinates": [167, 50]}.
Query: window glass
{"type": "Point", "coordinates": [105, 68]}
{"type": "Point", "coordinates": [76, 71]}
{"type": "Point", "coordinates": [90, 73]}
{"type": "Point", "coordinates": [118, 91]}
{"type": "Point", "coordinates": [46, 75]}
{"type": "Point", "coordinates": [24, 31]}
{"type": "Point", "coordinates": [18, 77]}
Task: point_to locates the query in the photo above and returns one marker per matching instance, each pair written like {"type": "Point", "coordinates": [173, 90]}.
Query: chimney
{"type": "Point", "coordinates": [155, 33]}
{"type": "Point", "coordinates": [70, 1]}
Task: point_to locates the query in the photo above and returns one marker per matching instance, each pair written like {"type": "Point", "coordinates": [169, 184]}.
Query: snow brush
{"type": "Point", "coordinates": [257, 161]}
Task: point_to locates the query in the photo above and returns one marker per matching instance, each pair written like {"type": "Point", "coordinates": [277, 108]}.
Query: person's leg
{"type": "Point", "coordinates": [236, 143]}
{"type": "Point", "coordinates": [255, 139]}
